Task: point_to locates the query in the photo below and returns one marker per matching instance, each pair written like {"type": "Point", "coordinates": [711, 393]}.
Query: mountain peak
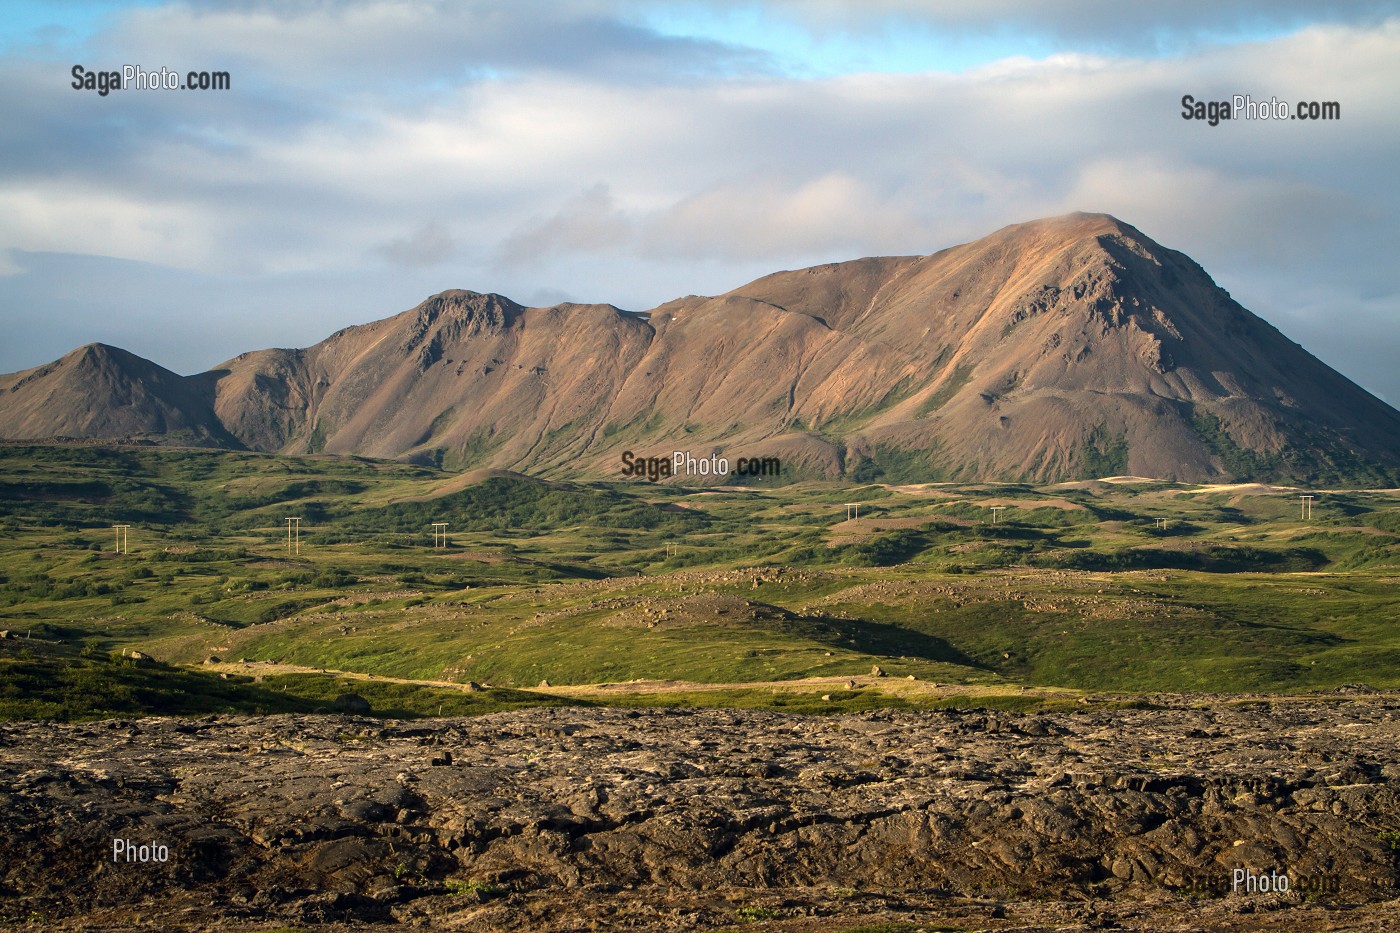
{"type": "Point", "coordinates": [106, 355]}
{"type": "Point", "coordinates": [97, 350]}
{"type": "Point", "coordinates": [1067, 234]}
{"type": "Point", "coordinates": [463, 304]}
{"type": "Point", "coordinates": [1074, 225]}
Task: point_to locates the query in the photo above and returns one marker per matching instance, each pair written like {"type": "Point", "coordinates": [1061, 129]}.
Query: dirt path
{"type": "Point", "coordinates": [894, 686]}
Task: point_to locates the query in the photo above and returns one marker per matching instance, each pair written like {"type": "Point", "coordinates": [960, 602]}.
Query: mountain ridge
{"type": "Point", "coordinates": [1055, 349]}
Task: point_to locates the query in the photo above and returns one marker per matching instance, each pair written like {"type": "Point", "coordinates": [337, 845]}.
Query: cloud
{"type": "Point", "coordinates": [751, 219]}
{"type": "Point", "coordinates": [1252, 218]}
{"type": "Point", "coordinates": [8, 264]}
{"type": "Point", "coordinates": [1126, 27]}
{"type": "Point", "coordinates": [774, 218]}
{"type": "Point", "coordinates": [590, 222]}
{"type": "Point", "coordinates": [385, 46]}
{"type": "Point", "coordinates": [87, 217]}
{"type": "Point", "coordinates": [429, 245]}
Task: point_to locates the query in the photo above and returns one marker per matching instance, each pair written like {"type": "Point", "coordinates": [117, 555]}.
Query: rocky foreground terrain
{"type": "Point", "coordinates": [576, 819]}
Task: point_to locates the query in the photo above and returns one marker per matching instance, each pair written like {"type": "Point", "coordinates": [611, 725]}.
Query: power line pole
{"type": "Point", "coordinates": [294, 535]}
{"type": "Point", "coordinates": [123, 546]}
{"type": "Point", "coordinates": [439, 534]}
{"type": "Point", "coordinates": [995, 509]}
{"type": "Point", "coordinates": [1306, 513]}
{"type": "Point", "coordinates": [852, 511]}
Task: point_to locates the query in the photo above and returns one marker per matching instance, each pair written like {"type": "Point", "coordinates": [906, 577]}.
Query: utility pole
{"type": "Point", "coordinates": [995, 509]}
{"type": "Point", "coordinates": [294, 535]}
{"type": "Point", "coordinates": [439, 534]}
{"type": "Point", "coordinates": [123, 547]}
{"type": "Point", "coordinates": [852, 511]}
{"type": "Point", "coordinates": [1307, 507]}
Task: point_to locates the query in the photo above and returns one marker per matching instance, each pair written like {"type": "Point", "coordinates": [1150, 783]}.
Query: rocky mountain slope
{"type": "Point", "coordinates": [1056, 349]}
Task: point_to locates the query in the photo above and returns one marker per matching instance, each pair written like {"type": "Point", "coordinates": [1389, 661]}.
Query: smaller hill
{"type": "Point", "coordinates": [102, 391]}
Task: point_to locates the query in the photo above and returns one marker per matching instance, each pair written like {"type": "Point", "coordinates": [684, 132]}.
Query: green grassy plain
{"type": "Point", "coordinates": [1074, 587]}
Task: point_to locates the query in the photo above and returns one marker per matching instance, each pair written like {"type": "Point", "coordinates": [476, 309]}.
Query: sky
{"type": "Point", "coordinates": [369, 154]}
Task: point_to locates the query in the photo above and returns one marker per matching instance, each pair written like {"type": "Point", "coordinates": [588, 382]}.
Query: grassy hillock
{"type": "Point", "coordinates": [45, 681]}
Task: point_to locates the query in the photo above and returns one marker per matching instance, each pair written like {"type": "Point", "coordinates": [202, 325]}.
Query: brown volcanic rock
{"type": "Point", "coordinates": [1062, 348]}
{"type": "Point", "coordinates": [562, 819]}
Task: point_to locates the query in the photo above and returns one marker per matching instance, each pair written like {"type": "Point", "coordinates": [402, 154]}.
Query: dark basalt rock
{"type": "Point", "coordinates": [555, 819]}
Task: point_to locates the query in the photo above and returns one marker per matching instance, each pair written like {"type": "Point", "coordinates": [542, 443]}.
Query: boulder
{"type": "Point", "coordinates": [351, 703]}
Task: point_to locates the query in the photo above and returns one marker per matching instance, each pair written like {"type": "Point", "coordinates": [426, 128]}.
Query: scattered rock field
{"type": "Point", "coordinates": [575, 819]}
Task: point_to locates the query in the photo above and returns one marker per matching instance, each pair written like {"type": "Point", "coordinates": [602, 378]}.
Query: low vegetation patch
{"type": "Point", "coordinates": [1089, 586]}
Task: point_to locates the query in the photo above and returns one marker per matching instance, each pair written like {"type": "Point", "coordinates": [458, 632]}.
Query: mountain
{"type": "Point", "coordinates": [97, 391]}
{"type": "Point", "coordinates": [1062, 348]}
